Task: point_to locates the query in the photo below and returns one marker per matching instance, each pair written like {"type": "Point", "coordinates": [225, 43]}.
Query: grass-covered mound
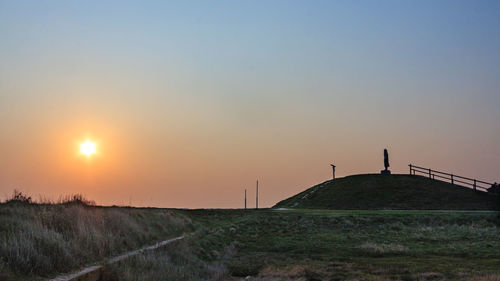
{"type": "Point", "coordinates": [404, 192]}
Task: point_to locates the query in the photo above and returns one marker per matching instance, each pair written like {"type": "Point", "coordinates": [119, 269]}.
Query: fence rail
{"type": "Point", "coordinates": [451, 178]}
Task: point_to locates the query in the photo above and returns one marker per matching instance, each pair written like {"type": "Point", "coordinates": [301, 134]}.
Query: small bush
{"type": "Point", "coordinates": [19, 197]}
{"type": "Point", "coordinates": [77, 199]}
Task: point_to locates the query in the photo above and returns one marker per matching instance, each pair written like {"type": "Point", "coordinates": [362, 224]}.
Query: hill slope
{"type": "Point", "coordinates": [373, 191]}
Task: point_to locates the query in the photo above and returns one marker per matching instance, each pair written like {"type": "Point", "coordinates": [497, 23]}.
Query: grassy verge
{"type": "Point", "coordinates": [41, 240]}
{"type": "Point", "coordinates": [344, 245]}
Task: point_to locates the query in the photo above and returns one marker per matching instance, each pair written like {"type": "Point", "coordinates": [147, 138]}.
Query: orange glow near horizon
{"type": "Point", "coordinates": [174, 104]}
{"type": "Point", "coordinates": [88, 148]}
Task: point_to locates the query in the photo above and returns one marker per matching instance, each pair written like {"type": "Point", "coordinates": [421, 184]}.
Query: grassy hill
{"type": "Point", "coordinates": [374, 191]}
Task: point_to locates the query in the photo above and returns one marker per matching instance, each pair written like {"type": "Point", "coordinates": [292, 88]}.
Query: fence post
{"type": "Point", "coordinates": [474, 184]}
{"type": "Point", "coordinates": [430, 173]}
{"type": "Point", "coordinates": [452, 182]}
{"type": "Point", "coordinates": [410, 168]}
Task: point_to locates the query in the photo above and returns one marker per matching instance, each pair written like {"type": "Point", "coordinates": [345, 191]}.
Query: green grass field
{"type": "Point", "coordinates": [329, 245]}
{"type": "Point", "coordinates": [38, 241]}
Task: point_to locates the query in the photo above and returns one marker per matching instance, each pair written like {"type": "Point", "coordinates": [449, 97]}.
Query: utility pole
{"type": "Point", "coordinates": [245, 198]}
{"type": "Point", "coordinates": [333, 170]}
{"type": "Point", "coordinates": [257, 196]}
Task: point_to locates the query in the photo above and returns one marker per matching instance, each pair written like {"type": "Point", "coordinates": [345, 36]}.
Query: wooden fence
{"type": "Point", "coordinates": [451, 178]}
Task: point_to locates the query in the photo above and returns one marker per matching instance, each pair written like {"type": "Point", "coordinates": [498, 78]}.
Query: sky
{"type": "Point", "coordinates": [191, 102]}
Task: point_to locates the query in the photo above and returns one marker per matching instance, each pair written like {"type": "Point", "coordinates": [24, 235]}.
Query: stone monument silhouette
{"type": "Point", "coordinates": [386, 164]}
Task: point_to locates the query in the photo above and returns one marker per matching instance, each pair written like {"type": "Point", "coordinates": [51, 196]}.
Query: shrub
{"type": "Point", "coordinates": [77, 199]}
{"type": "Point", "coordinates": [19, 197]}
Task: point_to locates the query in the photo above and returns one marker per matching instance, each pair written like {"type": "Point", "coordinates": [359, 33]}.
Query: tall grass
{"type": "Point", "coordinates": [41, 240]}
{"type": "Point", "coordinates": [177, 261]}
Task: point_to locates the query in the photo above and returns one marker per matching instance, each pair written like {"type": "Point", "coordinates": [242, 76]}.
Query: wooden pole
{"type": "Point", "coordinates": [452, 181]}
{"type": "Point", "coordinates": [257, 196]}
{"type": "Point", "coordinates": [245, 198]}
{"type": "Point", "coordinates": [410, 168]}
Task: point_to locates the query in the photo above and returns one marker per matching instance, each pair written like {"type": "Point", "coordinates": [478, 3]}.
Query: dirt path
{"type": "Point", "coordinates": [92, 273]}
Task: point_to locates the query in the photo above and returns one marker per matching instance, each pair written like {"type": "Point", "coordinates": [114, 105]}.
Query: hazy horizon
{"type": "Point", "coordinates": [191, 102]}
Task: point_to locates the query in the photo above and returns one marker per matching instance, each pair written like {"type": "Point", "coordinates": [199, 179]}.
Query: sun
{"type": "Point", "coordinates": [88, 148]}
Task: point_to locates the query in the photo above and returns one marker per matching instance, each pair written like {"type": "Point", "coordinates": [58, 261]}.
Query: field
{"type": "Point", "coordinates": [41, 240]}
{"type": "Point", "coordinates": [328, 245]}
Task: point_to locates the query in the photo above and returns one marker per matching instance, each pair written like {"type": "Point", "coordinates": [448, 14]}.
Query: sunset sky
{"type": "Point", "coordinates": [190, 102]}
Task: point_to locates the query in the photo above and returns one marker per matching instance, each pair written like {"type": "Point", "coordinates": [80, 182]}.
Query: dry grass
{"type": "Point", "coordinates": [305, 273]}
{"type": "Point", "coordinates": [177, 261]}
{"type": "Point", "coordinates": [427, 276]}
{"type": "Point", "coordinates": [486, 278]}
{"type": "Point", "coordinates": [382, 249]}
{"type": "Point", "coordinates": [44, 239]}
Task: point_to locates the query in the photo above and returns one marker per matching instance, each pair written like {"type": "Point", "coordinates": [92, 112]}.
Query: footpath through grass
{"type": "Point", "coordinates": [331, 245]}
{"type": "Point", "coordinates": [41, 240]}
{"type": "Point", "coordinates": [38, 241]}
